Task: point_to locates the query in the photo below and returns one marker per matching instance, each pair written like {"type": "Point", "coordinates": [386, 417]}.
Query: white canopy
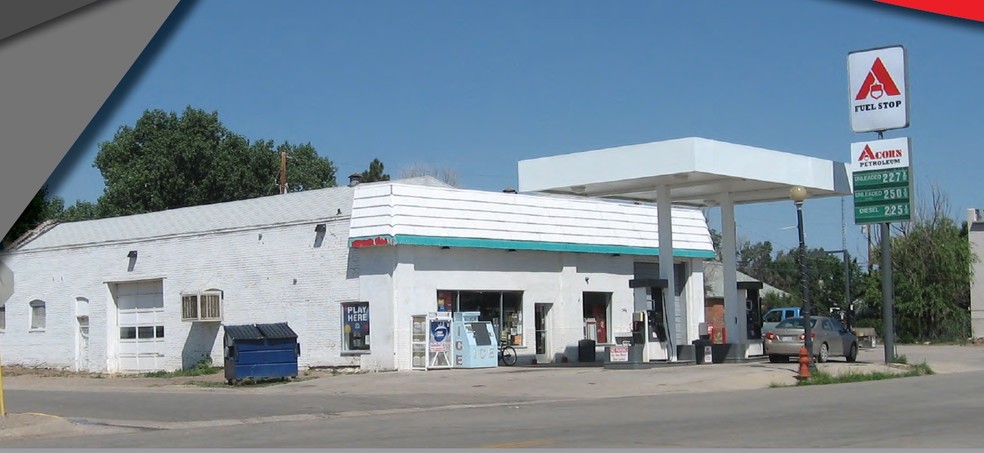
{"type": "Point", "coordinates": [697, 171]}
{"type": "Point", "coordinates": [691, 171]}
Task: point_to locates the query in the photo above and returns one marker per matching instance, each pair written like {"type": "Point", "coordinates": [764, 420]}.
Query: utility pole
{"type": "Point", "coordinates": [867, 233]}
{"type": "Point", "coordinates": [847, 278]}
{"type": "Point", "coordinates": [283, 172]}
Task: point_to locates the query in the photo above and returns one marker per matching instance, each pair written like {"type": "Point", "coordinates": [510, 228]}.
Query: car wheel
{"type": "Point", "coordinates": [778, 358]}
{"type": "Point", "coordinates": [824, 353]}
{"type": "Point", "coordinates": [852, 355]}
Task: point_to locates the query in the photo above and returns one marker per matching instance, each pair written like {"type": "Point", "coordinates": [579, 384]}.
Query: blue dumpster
{"type": "Point", "coordinates": [260, 351]}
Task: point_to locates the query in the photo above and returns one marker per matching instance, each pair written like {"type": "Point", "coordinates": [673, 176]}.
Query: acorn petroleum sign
{"type": "Point", "coordinates": [879, 94]}
{"type": "Point", "coordinates": [882, 181]}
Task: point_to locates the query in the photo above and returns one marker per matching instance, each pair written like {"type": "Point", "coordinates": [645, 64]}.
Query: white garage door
{"type": "Point", "coordinates": [141, 319]}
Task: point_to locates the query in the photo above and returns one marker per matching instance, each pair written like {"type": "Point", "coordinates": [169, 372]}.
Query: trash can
{"type": "Point", "coordinates": [702, 351]}
{"type": "Point", "coordinates": [586, 351]}
{"type": "Point", "coordinates": [260, 351]}
{"type": "Point", "coordinates": [686, 353]}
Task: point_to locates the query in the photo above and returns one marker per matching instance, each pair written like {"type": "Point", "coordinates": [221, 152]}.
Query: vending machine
{"type": "Point", "coordinates": [439, 339]}
{"type": "Point", "coordinates": [431, 341]}
{"type": "Point", "coordinates": [475, 344]}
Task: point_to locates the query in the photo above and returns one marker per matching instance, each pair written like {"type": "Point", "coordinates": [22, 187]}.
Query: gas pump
{"type": "Point", "coordinates": [649, 328]}
{"type": "Point", "coordinates": [657, 318]}
{"type": "Point", "coordinates": [749, 339]}
{"type": "Point", "coordinates": [753, 315]}
{"type": "Point", "coordinates": [639, 350]}
{"type": "Point", "coordinates": [640, 328]}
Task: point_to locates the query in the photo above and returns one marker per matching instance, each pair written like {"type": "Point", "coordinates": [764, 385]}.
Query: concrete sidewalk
{"type": "Point", "coordinates": [416, 391]}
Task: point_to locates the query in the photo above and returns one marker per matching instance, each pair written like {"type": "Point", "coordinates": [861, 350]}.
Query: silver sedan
{"type": "Point", "coordinates": [830, 338]}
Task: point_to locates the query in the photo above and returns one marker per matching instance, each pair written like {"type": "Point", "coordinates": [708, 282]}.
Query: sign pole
{"type": "Point", "coordinates": [888, 310]}
{"type": "Point", "coordinates": [879, 101]}
{"type": "Point", "coordinates": [888, 296]}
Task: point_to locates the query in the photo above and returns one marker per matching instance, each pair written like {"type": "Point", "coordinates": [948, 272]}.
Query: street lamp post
{"type": "Point", "coordinates": [798, 194]}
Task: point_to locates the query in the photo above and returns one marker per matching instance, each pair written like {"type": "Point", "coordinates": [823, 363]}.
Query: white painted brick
{"type": "Point", "coordinates": [274, 273]}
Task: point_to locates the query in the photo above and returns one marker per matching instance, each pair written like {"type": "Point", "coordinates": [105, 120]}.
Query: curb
{"type": "Point", "coordinates": [32, 424]}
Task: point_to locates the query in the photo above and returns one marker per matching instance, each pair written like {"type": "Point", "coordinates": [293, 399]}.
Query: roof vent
{"type": "Point", "coordinates": [354, 179]}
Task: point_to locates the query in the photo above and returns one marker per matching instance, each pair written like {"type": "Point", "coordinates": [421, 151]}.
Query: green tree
{"type": "Point", "coordinates": [375, 172]}
{"type": "Point", "coordinates": [37, 210]}
{"type": "Point", "coordinates": [825, 274]}
{"type": "Point", "coordinates": [306, 170]}
{"type": "Point", "coordinates": [444, 174]}
{"type": "Point", "coordinates": [167, 161]}
{"type": "Point", "coordinates": [44, 207]}
{"type": "Point", "coordinates": [931, 272]}
{"type": "Point", "coordinates": [826, 279]}
{"type": "Point", "coordinates": [785, 273]}
{"type": "Point", "coordinates": [716, 239]}
{"type": "Point", "coordinates": [81, 210]}
{"type": "Point", "coordinates": [775, 300]}
{"type": "Point", "coordinates": [756, 259]}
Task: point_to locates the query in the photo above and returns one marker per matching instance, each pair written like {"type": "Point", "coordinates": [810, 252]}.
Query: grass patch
{"type": "Point", "coordinates": [182, 373]}
{"type": "Point", "coordinates": [202, 368]}
{"type": "Point", "coordinates": [262, 382]}
{"type": "Point", "coordinates": [823, 378]}
{"type": "Point", "coordinates": [43, 372]}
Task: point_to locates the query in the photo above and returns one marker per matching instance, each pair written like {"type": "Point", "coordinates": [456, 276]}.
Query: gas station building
{"type": "Point", "coordinates": [598, 245]}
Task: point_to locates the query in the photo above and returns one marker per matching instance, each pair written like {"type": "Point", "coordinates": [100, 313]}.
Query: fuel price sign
{"type": "Point", "coordinates": [882, 178]}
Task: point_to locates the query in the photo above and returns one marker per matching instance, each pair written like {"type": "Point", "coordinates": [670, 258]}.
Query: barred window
{"type": "Point", "coordinates": [189, 307]}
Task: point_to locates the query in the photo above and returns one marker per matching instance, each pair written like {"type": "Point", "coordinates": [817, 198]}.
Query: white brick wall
{"type": "Point", "coordinates": [270, 274]}
{"type": "Point", "coordinates": [975, 222]}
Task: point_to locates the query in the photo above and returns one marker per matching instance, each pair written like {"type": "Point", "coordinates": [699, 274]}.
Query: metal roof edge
{"type": "Point", "coordinates": [137, 240]}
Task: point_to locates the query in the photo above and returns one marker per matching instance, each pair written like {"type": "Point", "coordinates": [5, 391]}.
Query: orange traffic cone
{"type": "Point", "coordinates": [804, 361]}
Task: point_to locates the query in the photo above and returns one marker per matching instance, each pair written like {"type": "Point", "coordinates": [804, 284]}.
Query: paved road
{"type": "Point", "coordinates": [932, 411]}
{"type": "Point", "coordinates": [727, 405]}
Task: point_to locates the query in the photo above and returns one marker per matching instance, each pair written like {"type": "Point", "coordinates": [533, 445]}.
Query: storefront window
{"type": "Point", "coordinates": [504, 309]}
{"type": "Point", "coordinates": [355, 326]}
{"type": "Point", "coordinates": [512, 318]}
{"type": "Point", "coordinates": [445, 300]}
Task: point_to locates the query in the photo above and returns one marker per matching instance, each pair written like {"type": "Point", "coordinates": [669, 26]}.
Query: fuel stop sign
{"type": "Point", "coordinates": [879, 94]}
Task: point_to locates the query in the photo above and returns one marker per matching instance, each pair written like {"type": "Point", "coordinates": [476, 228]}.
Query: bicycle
{"type": "Point", "coordinates": [507, 354]}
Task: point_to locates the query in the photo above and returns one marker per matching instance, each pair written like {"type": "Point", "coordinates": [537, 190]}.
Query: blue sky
{"type": "Point", "coordinates": [478, 86]}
